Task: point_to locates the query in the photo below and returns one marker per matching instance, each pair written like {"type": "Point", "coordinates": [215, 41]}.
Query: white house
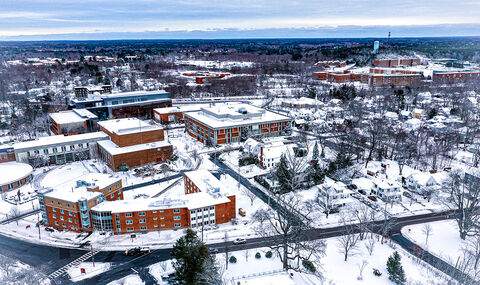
{"type": "Point", "coordinates": [388, 191]}
{"type": "Point", "coordinates": [363, 185]}
{"type": "Point", "coordinates": [333, 194]}
{"type": "Point", "coordinates": [252, 146]}
{"type": "Point", "coordinates": [421, 181]}
{"type": "Point", "coordinates": [270, 154]}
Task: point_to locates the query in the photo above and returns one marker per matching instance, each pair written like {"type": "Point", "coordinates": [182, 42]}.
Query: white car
{"type": "Point", "coordinates": [239, 241]}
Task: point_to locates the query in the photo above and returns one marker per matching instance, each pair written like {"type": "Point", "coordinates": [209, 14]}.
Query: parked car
{"type": "Point", "coordinates": [242, 212]}
{"type": "Point", "coordinates": [373, 198]}
{"type": "Point", "coordinates": [407, 194]}
{"type": "Point", "coordinates": [239, 241]}
{"type": "Point", "coordinates": [361, 191]}
{"type": "Point", "coordinates": [213, 250]}
{"type": "Point", "coordinates": [49, 230]}
{"type": "Point", "coordinates": [133, 251]}
{"type": "Point", "coordinates": [377, 272]}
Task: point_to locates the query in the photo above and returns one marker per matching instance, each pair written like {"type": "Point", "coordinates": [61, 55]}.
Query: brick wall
{"type": "Point", "coordinates": [154, 220]}
{"type": "Point", "coordinates": [138, 158]}
{"type": "Point", "coordinates": [224, 213]}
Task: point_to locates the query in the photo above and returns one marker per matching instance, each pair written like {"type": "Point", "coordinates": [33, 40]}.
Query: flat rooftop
{"type": "Point", "coordinates": [77, 189]}
{"type": "Point", "coordinates": [181, 108]}
{"type": "Point", "coordinates": [60, 139]}
{"type": "Point", "coordinates": [128, 126]}
{"type": "Point", "coordinates": [221, 116]}
{"type": "Point", "coordinates": [14, 171]}
{"type": "Point", "coordinates": [72, 116]}
{"type": "Point", "coordinates": [114, 149]}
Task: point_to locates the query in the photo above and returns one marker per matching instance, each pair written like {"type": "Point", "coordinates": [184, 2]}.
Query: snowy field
{"type": "Point", "coordinates": [443, 240]}
{"type": "Point", "coordinates": [334, 270]}
{"type": "Point", "coordinates": [132, 279]}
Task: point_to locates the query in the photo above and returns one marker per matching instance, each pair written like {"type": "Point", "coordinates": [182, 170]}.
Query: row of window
{"type": "Point", "coordinates": [144, 228]}
{"type": "Point", "coordinates": [142, 214]}
{"type": "Point", "coordinates": [62, 148]}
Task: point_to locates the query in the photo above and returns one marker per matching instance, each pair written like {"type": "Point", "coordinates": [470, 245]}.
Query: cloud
{"type": "Point", "coordinates": [36, 17]}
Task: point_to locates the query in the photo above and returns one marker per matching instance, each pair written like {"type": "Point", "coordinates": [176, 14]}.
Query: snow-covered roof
{"type": "Point", "coordinates": [114, 149]}
{"type": "Point", "coordinates": [363, 183]}
{"type": "Point", "coordinates": [128, 126]}
{"type": "Point", "coordinates": [422, 178]}
{"type": "Point", "coordinates": [222, 116]}
{"type": "Point", "coordinates": [13, 171]}
{"type": "Point", "coordinates": [137, 205]}
{"type": "Point", "coordinates": [78, 189]}
{"type": "Point", "coordinates": [72, 116]}
{"type": "Point", "coordinates": [180, 109]}
{"type": "Point", "coordinates": [59, 140]}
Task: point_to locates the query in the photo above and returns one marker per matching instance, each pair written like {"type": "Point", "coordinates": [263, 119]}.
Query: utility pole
{"type": "Point", "coordinates": [38, 224]}
{"type": "Point", "coordinates": [93, 256]}
{"type": "Point", "coordinates": [226, 251]}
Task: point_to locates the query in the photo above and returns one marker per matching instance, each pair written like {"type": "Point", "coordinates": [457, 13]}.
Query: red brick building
{"type": "Point", "coordinates": [221, 124]}
{"type": "Point", "coordinates": [395, 62]}
{"type": "Point", "coordinates": [72, 122]}
{"type": "Point", "coordinates": [133, 143]}
{"type": "Point", "coordinates": [205, 202]}
{"type": "Point", "coordinates": [67, 206]}
{"type": "Point", "coordinates": [451, 77]}
{"type": "Point", "coordinates": [175, 114]}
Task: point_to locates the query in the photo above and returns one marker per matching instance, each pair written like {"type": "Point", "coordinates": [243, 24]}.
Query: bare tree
{"type": "Point", "coordinates": [427, 231]}
{"type": "Point", "coordinates": [348, 243]}
{"type": "Point", "coordinates": [288, 234]}
{"type": "Point", "coordinates": [251, 196]}
{"type": "Point", "coordinates": [370, 245]}
{"type": "Point", "coordinates": [361, 268]}
{"type": "Point", "coordinates": [463, 195]}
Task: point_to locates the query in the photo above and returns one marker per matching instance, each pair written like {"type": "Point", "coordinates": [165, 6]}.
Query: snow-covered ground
{"type": "Point", "coordinates": [132, 279]}
{"type": "Point", "coordinates": [333, 269]}
{"type": "Point", "coordinates": [91, 270]}
{"type": "Point", "coordinates": [443, 240]}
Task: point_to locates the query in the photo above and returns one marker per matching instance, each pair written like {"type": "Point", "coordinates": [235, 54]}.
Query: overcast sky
{"type": "Point", "coordinates": [47, 17]}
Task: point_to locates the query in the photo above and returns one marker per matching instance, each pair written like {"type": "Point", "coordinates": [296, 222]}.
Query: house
{"type": "Point", "coordinates": [363, 185]}
{"type": "Point", "coordinates": [333, 194]}
{"type": "Point", "coordinates": [388, 191]}
{"type": "Point", "coordinates": [421, 182]}
{"type": "Point", "coordinates": [252, 146]}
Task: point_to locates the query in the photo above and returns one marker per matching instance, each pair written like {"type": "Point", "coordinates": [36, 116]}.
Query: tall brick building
{"type": "Point", "coordinates": [68, 206]}
{"type": "Point", "coordinates": [133, 143]}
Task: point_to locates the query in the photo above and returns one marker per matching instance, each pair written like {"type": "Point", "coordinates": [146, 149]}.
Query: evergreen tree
{"type": "Point", "coordinates": [283, 175]}
{"type": "Point", "coordinates": [395, 269]}
{"type": "Point", "coordinates": [315, 152]}
{"type": "Point", "coordinates": [193, 263]}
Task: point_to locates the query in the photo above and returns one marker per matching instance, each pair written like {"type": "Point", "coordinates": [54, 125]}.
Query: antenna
{"type": "Point", "coordinates": [389, 35]}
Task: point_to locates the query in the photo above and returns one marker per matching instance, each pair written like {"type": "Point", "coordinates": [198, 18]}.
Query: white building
{"type": "Point", "coordinates": [333, 194]}
{"type": "Point", "coordinates": [388, 191]}
{"type": "Point", "coordinates": [421, 182]}
{"type": "Point", "coordinates": [59, 149]}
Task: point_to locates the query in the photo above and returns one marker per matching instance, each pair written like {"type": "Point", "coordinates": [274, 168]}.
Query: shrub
{"type": "Point", "coordinates": [258, 255]}
{"type": "Point", "coordinates": [309, 265]}
{"type": "Point", "coordinates": [268, 254]}
{"type": "Point", "coordinates": [232, 259]}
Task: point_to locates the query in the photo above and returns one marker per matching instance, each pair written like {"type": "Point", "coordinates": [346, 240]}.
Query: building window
{"type": "Point", "coordinates": [61, 218]}
{"type": "Point", "coordinates": [177, 218]}
{"type": "Point", "coordinates": [129, 222]}
{"type": "Point", "coordinates": [143, 228]}
{"type": "Point", "coordinates": [142, 214]}
{"type": "Point", "coordinates": [129, 229]}
{"type": "Point", "coordinates": [128, 215]}
{"type": "Point", "coordinates": [62, 211]}
{"type": "Point", "coordinates": [176, 210]}
{"type": "Point", "coordinates": [177, 225]}
{"type": "Point", "coordinates": [141, 221]}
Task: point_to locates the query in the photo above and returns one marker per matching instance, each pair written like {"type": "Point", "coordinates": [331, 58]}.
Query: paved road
{"type": "Point", "coordinates": [429, 258]}
{"type": "Point", "coordinates": [277, 206]}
